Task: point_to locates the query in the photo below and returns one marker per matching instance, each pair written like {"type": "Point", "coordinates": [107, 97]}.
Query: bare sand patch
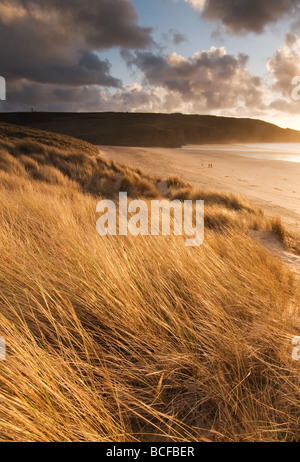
{"type": "Point", "coordinates": [274, 246]}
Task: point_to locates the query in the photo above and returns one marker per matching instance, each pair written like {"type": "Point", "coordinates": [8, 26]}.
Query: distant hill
{"type": "Point", "coordinates": [164, 130]}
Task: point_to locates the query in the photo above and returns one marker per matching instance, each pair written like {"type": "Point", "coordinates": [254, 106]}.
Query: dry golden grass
{"type": "Point", "coordinates": [289, 238]}
{"type": "Point", "coordinates": [136, 338]}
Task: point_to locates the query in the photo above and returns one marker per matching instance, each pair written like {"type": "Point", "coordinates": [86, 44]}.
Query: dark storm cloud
{"type": "Point", "coordinates": [99, 24]}
{"type": "Point", "coordinates": [85, 68]}
{"type": "Point", "coordinates": [56, 42]}
{"type": "Point", "coordinates": [208, 80]}
{"type": "Point", "coordinates": [103, 23]}
{"type": "Point", "coordinates": [242, 16]}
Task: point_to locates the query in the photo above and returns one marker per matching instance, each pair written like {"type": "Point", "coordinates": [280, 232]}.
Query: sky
{"type": "Point", "coordinates": [223, 57]}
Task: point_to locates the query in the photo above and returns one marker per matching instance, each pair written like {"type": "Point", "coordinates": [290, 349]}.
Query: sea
{"type": "Point", "coordinates": [286, 152]}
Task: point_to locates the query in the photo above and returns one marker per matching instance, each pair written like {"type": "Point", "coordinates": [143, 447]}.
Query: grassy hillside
{"type": "Point", "coordinates": [136, 338]}
{"type": "Point", "coordinates": [167, 130]}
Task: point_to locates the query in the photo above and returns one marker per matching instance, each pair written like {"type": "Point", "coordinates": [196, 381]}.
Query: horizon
{"type": "Point", "coordinates": [149, 113]}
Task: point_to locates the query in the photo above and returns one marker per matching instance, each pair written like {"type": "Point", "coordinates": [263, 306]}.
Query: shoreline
{"type": "Point", "coordinates": [273, 185]}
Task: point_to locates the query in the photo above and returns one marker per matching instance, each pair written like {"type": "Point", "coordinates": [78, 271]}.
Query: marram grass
{"type": "Point", "coordinates": [137, 338]}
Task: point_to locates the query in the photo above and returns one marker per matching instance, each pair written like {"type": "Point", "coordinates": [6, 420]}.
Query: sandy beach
{"type": "Point", "coordinates": [272, 184]}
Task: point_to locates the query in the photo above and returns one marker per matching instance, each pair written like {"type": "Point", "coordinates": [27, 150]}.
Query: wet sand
{"type": "Point", "coordinates": [273, 185]}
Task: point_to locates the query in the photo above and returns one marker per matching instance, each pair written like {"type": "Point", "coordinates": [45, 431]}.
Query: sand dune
{"type": "Point", "coordinates": [271, 184]}
{"type": "Point", "coordinates": [272, 244]}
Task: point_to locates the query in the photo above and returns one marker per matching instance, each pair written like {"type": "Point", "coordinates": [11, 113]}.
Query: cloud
{"type": "Point", "coordinates": [209, 80]}
{"type": "Point", "coordinates": [132, 98]}
{"type": "Point", "coordinates": [174, 36]}
{"type": "Point", "coordinates": [95, 24]}
{"type": "Point", "coordinates": [243, 16]}
{"type": "Point", "coordinates": [48, 97]}
{"type": "Point", "coordinates": [284, 66]}
{"type": "Point", "coordinates": [56, 42]}
{"type": "Point", "coordinates": [84, 68]}
{"type": "Point", "coordinates": [197, 4]}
